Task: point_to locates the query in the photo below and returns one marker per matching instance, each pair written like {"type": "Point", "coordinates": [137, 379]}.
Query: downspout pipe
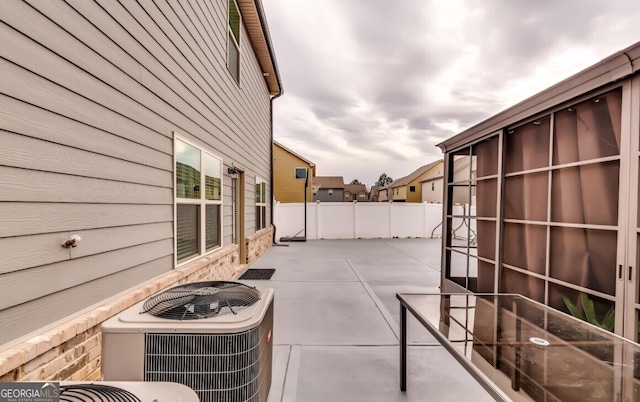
{"type": "Point", "coordinates": [265, 27]}
{"type": "Point", "coordinates": [271, 204]}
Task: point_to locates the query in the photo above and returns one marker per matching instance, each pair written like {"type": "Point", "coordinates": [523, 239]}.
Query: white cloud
{"type": "Point", "coordinates": [371, 86]}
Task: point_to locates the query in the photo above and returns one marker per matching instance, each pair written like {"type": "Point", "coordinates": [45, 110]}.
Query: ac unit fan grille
{"type": "Point", "coordinates": [95, 393]}
{"type": "Point", "coordinates": [198, 300]}
{"type": "Point", "coordinates": [218, 367]}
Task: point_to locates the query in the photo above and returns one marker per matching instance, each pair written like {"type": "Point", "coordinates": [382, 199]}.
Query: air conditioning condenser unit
{"type": "Point", "coordinates": [214, 337]}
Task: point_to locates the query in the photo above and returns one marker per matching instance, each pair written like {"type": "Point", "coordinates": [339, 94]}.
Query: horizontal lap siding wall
{"type": "Point", "coordinates": [90, 96]}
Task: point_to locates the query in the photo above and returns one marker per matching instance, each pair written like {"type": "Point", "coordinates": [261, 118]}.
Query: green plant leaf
{"type": "Point", "coordinates": [573, 309]}
{"type": "Point", "coordinates": [609, 320]}
{"type": "Point", "coordinates": [589, 309]}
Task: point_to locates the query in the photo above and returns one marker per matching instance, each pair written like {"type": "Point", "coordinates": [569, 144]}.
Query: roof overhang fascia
{"type": "Point", "coordinates": [311, 164]}
{"type": "Point", "coordinates": [256, 24]}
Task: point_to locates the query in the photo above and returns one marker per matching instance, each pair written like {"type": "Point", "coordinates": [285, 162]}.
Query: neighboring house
{"type": "Point", "coordinates": [408, 188]}
{"type": "Point", "coordinates": [557, 210]}
{"type": "Point", "coordinates": [464, 171]}
{"type": "Point", "coordinates": [144, 128]}
{"type": "Point", "coordinates": [331, 188]}
{"type": "Point", "coordinates": [288, 175]}
{"type": "Point", "coordinates": [383, 193]}
{"type": "Point", "coordinates": [373, 194]}
{"type": "Point", "coordinates": [432, 189]}
{"type": "Point", "coordinates": [356, 192]}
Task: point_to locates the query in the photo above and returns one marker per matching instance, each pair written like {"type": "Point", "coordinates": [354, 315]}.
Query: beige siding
{"type": "Point", "coordinates": [435, 195]}
{"type": "Point", "coordinates": [20, 218]}
{"type": "Point", "coordinates": [91, 95]}
{"type": "Point", "coordinates": [287, 187]}
{"type": "Point", "coordinates": [32, 315]}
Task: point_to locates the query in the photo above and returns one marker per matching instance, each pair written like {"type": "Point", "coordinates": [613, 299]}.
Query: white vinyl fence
{"type": "Point", "coordinates": [363, 220]}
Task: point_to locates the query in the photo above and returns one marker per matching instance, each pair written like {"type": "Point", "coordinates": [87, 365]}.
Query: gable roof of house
{"type": "Point", "coordinates": [403, 181]}
{"type": "Point", "coordinates": [434, 178]}
{"type": "Point", "coordinates": [330, 182]}
{"type": "Point", "coordinates": [254, 19]}
{"type": "Point", "coordinates": [355, 188]}
{"type": "Point", "coordinates": [276, 143]}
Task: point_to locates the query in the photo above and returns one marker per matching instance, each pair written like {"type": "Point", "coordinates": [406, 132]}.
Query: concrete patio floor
{"type": "Point", "coordinates": [336, 331]}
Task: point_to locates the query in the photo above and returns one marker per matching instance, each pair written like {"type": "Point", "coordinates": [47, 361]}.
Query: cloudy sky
{"type": "Point", "coordinates": [371, 86]}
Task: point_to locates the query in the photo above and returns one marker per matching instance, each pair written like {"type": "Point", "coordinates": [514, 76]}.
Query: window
{"type": "Point", "coordinates": [301, 173]}
{"type": "Point", "coordinates": [261, 204]}
{"type": "Point", "coordinates": [433, 186]}
{"type": "Point", "coordinates": [412, 189]}
{"type": "Point", "coordinates": [198, 219]}
{"type": "Point", "coordinates": [361, 196]}
{"type": "Point", "coordinates": [233, 45]}
{"type": "Point", "coordinates": [330, 191]}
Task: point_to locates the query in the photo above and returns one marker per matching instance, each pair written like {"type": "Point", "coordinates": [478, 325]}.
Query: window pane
{"type": "Point", "coordinates": [486, 197]}
{"type": "Point", "coordinates": [487, 157]}
{"type": "Point", "coordinates": [519, 283]}
{"type": "Point", "coordinates": [187, 230]}
{"type": "Point", "coordinates": [458, 265]}
{"type": "Point", "coordinates": [212, 171]}
{"type": "Point", "coordinates": [560, 296]}
{"type": "Point", "coordinates": [525, 246]}
{"type": "Point", "coordinates": [486, 273]}
{"type": "Point", "coordinates": [461, 196]}
{"type": "Point", "coordinates": [261, 191]}
{"type": "Point", "coordinates": [234, 20]}
{"type": "Point", "coordinates": [212, 217]}
{"type": "Point", "coordinates": [528, 146]}
{"type": "Point", "coordinates": [187, 170]}
{"type": "Point", "coordinates": [301, 173]}
{"type": "Point", "coordinates": [234, 59]}
{"type": "Point", "coordinates": [585, 257]}
{"type": "Point", "coordinates": [472, 281]}
{"type": "Point", "coordinates": [261, 218]}
{"type": "Point", "coordinates": [463, 166]}
{"type": "Point", "coordinates": [526, 197]}
{"type": "Point", "coordinates": [588, 130]}
{"type": "Point", "coordinates": [586, 194]}
{"type": "Point", "coordinates": [486, 239]}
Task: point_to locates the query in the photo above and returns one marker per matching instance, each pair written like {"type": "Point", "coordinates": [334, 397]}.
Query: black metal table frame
{"type": "Point", "coordinates": [482, 379]}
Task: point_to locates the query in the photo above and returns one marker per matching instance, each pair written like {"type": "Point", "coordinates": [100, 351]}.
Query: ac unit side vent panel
{"type": "Point", "coordinates": [219, 367]}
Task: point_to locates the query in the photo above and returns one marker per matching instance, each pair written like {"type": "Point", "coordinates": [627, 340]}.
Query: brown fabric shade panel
{"type": "Point", "coordinates": [585, 194]}
{"type": "Point", "coordinates": [524, 246]}
{"type": "Point", "coordinates": [488, 164]}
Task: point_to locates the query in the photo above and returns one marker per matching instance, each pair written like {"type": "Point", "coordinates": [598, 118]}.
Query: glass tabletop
{"type": "Point", "coordinates": [529, 351]}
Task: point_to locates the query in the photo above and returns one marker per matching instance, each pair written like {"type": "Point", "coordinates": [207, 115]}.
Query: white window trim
{"type": "Point", "coordinates": [203, 202]}
{"type": "Point", "coordinates": [301, 168]}
{"type": "Point", "coordinates": [261, 204]}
